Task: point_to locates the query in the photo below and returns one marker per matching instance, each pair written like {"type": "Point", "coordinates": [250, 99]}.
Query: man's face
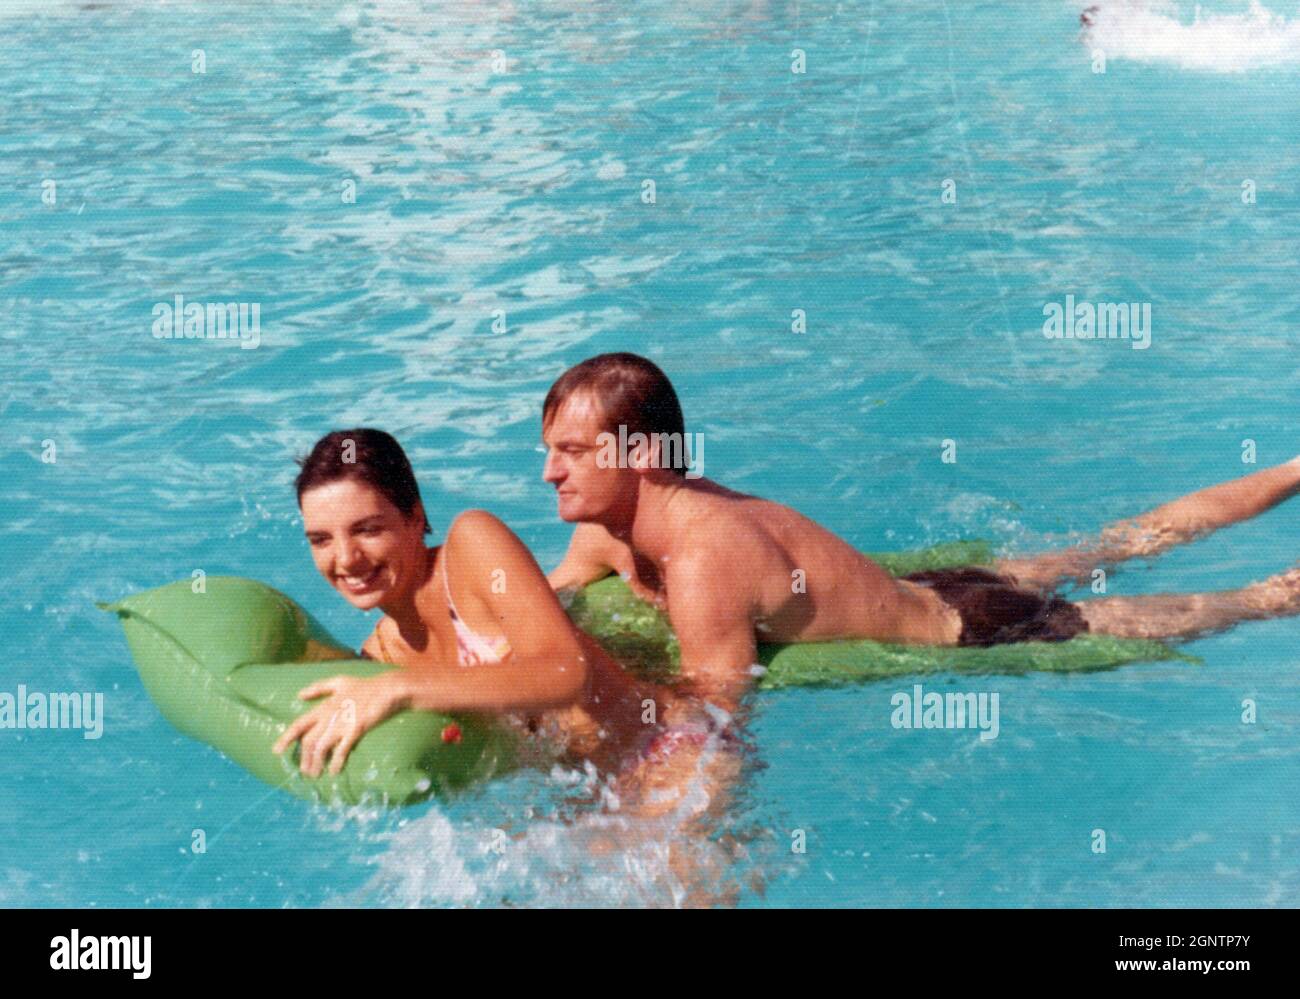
{"type": "Point", "coordinates": [584, 491]}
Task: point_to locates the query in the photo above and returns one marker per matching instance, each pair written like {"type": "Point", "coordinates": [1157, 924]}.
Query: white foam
{"type": "Point", "coordinates": [597, 860]}
{"type": "Point", "coordinates": [1160, 31]}
{"type": "Point", "coordinates": [594, 856]}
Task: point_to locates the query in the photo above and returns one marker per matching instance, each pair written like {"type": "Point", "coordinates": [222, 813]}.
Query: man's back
{"type": "Point", "coordinates": [798, 580]}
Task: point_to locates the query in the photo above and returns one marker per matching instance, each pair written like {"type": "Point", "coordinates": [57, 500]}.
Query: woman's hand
{"type": "Point", "coordinates": [355, 706]}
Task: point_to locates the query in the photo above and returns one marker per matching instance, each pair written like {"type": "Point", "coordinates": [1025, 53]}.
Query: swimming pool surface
{"type": "Point", "coordinates": [485, 185]}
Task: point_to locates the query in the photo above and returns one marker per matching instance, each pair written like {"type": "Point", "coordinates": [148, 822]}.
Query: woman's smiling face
{"type": "Point", "coordinates": [363, 545]}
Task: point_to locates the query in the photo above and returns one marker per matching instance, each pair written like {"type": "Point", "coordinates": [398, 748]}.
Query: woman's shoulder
{"type": "Point", "coordinates": [373, 646]}
{"type": "Point", "coordinates": [475, 524]}
{"type": "Point", "coordinates": [384, 641]}
{"type": "Point", "coordinates": [475, 535]}
{"type": "Point", "coordinates": [479, 553]}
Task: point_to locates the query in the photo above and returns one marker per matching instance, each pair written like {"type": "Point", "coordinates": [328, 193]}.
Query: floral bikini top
{"type": "Point", "coordinates": [472, 649]}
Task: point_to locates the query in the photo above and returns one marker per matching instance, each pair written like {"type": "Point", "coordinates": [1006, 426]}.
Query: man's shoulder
{"type": "Point", "coordinates": [769, 519]}
{"type": "Point", "coordinates": [713, 555]}
{"type": "Point", "coordinates": [728, 523]}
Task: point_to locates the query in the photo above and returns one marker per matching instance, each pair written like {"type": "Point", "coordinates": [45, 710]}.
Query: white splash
{"type": "Point", "coordinates": [1157, 31]}
{"type": "Point", "coordinates": [596, 856]}
{"type": "Point", "coordinates": [600, 860]}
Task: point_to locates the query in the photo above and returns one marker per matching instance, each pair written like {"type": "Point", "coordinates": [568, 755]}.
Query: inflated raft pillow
{"type": "Point", "coordinates": [224, 666]}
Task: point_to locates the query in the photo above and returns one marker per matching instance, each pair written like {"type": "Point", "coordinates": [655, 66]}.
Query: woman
{"type": "Point", "coordinates": [473, 622]}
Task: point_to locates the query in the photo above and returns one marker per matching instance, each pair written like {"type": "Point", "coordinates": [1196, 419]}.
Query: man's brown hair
{"type": "Point", "coordinates": [631, 391]}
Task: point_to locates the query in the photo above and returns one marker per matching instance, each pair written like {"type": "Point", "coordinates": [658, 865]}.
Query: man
{"type": "Point", "coordinates": [732, 570]}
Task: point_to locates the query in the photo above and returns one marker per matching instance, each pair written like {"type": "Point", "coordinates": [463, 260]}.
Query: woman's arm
{"type": "Point", "coordinates": [494, 577]}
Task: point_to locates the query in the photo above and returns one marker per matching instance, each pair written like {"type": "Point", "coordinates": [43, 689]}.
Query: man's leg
{"type": "Point", "coordinates": [1157, 531]}
{"type": "Point", "coordinates": [1184, 615]}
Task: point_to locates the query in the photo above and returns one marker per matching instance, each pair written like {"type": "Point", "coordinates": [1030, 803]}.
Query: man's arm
{"type": "Point", "coordinates": [688, 778]}
{"type": "Point", "coordinates": [586, 561]}
{"type": "Point", "coordinates": [712, 614]}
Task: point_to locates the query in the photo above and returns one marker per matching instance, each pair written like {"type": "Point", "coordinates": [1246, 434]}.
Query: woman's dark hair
{"type": "Point", "coordinates": [632, 392]}
{"type": "Point", "coordinates": [367, 455]}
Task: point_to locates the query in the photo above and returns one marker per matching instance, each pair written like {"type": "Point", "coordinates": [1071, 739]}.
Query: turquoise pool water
{"type": "Point", "coordinates": [518, 186]}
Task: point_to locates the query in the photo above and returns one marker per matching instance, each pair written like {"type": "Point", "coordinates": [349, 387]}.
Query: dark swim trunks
{"type": "Point", "coordinates": [994, 610]}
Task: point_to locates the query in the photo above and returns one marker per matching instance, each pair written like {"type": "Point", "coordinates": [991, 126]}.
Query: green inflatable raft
{"type": "Point", "coordinates": [224, 666]}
